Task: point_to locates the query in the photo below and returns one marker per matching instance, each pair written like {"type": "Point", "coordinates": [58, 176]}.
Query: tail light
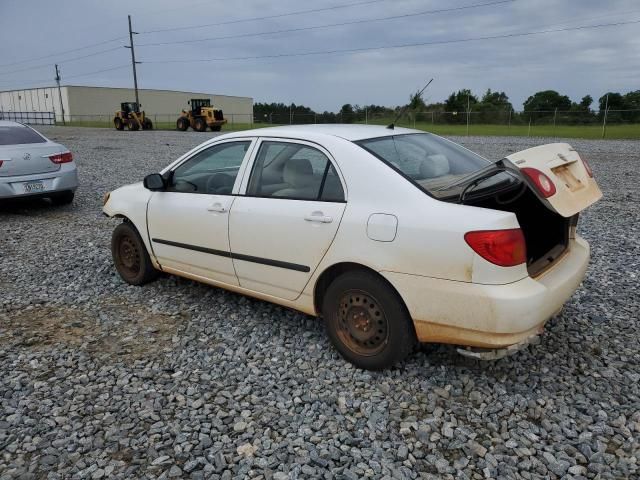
{"type": "Point", "coordinates": [543, 183]}
{"type": "Point", "coordinates": [587, 167]}
{"type": "Point", "coordinates": [59, 158]}
{"type": "Point", "coordinates": [505, 248]}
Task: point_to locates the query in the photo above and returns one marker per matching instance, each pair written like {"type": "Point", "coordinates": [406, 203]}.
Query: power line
{"type": "Point", "coordinates": [60, 53]}
{"type": "Point", "coordinates": [330, 25]}
{"type": "Point", "coordinates": [267, 17]}
{"type": "Point", "coordinates": [36, 67]}
{"type": "Point", "coordinates": [37, 83]}
{"type": "Point", "coordinates": [405, 45]}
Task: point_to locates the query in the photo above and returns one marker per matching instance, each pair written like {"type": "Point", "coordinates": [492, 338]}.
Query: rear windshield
{"type": "Point", "coordinates": [429, 161]}
{"type": "Point", "coordinates": [18, 135]}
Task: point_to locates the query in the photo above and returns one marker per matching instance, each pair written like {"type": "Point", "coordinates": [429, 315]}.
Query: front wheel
{"type": "Point", "coordinates": [367, 321]}
{"type": "Point", "coordinates": [117, 122]}
{"type": "Point", "coordinates": [130, 256]}
{"type": "Point", "coordinates": [182, 124]}
{"type": "Point", "coordinates": [133, 125]}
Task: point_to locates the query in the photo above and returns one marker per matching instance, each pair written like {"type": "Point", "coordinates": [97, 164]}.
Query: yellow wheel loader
{"type": "Point", "coordinates": [131, 117]}
{"type": "Point", "coordinates": [201, 116]}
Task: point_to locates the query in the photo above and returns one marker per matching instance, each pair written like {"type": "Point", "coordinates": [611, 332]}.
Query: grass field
{"type": "Point", "coordinates": [560, 131]}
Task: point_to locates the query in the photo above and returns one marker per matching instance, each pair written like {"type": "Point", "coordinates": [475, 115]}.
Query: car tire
{"type": "Point", "coordinates": [64, 198]}
{"type": "Point", "coordinates": [182, 124]}
{"type": "Point", "coordinates": [117, 122]}
{"type": "Point", "coordinates": [130, 256]}
{"type": "Point", "coordinates": [367, 321]}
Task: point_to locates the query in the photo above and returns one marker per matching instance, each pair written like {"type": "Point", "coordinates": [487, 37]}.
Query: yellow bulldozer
{"type": "Point", "coordinates": [131, 117]}
{"type": "Point", "coordinates": [200, 116]}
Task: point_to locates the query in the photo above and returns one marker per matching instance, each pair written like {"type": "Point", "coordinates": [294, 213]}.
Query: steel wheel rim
{"type": "Point", "coordinates": [128, 257]}
{"type": "Point", "coordinates": [362, 324]}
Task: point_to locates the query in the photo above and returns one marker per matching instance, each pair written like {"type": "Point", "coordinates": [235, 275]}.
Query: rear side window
{"type": "Point", "coordinates": [294, 171]}
{"type": "Point", "coordinates": [429, 161]}
{"type": "Point", "coordinates": [18, 135]}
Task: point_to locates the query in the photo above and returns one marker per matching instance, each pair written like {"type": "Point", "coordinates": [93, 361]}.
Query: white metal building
{"type": "Point", "coordinates": [85, 103]}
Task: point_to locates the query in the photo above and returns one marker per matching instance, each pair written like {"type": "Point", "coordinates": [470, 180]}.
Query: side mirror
{"type": "Point", "coordinates": [154, 182]}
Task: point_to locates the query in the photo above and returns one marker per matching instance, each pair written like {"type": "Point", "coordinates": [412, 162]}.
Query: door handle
{"type": "Point", "coordinates": [217, 207]}
{"type": "Point", "coordinates": [318, 217]}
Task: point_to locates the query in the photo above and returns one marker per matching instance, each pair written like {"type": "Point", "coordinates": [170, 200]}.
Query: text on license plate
{"type": "Point", "coordinates": [31, 187]}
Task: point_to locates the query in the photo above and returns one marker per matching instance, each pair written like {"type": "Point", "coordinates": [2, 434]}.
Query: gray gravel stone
{"type": "Point", "coordinates": [182, 380]}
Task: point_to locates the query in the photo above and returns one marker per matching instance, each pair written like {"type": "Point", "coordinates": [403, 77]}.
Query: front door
{"type": "Point", "coordinates": [285, 223]}
{"type": "Point", "coordinates": [189, 222]}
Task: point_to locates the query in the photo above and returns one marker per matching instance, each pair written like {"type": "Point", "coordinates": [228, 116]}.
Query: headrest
{"type": "Point", "coordinates": [434, 166]}
{"type": "Point", "coordinates": [298, 172]}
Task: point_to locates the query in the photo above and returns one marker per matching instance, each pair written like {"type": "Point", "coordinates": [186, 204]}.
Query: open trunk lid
{"type": "Point", "coordinates": [575, 188]}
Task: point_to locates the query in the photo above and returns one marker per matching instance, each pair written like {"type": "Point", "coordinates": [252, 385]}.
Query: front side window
{"type": "Point", "coordinates": [212, 171]}
{"type": "Point", "coordinates": [429, 161]}
{"type": "Point", "coordinates": [19, 135]}
{"type": "Point", "coordinates": [294, 171]}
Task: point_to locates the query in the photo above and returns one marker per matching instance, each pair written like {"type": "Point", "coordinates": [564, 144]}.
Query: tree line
{"type": "Point", "coordinates": [491, 107]}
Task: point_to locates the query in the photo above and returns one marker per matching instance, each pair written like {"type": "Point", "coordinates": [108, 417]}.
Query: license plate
{"type": "Point", "coordinates": [32, 187]}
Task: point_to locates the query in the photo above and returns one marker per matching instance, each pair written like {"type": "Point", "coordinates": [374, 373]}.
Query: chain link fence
{"type": "Point", "coordinates": [547, 123]}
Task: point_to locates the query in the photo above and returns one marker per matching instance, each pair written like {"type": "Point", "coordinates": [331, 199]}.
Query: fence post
{"type": "Point", "coordinates": [468, 114]}
{"type": "Point", "coordinates": [555, 114]}
{"type": "Point", "coordinates": [366, 116]}
{"type": "Point", "coordinates": [604, 120]}
{"type": "Point", "coordinates": [509, 126]}
{"type": "Point", "coordinates": [529, 131]}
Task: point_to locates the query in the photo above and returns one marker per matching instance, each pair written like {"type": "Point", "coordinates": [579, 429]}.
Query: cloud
{"type": "Point", "coordinates": [575, 62]}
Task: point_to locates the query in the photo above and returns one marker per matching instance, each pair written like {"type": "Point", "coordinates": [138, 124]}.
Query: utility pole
{"type": "Point", "coordinates": [133, 60]}
{"type": "Point", "coordinates": [604, 121]}
{"type": "Point", "coordinates": [468, 113]}
{"type": "Point", "coordinates": [60, 94]}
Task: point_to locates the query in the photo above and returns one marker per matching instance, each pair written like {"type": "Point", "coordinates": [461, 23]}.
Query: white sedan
{"type": "Point", "coordinates": [392, 236]}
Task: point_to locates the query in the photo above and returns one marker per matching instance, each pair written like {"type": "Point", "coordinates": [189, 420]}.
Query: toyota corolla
{"type": "Point", "coordinates": [392, 236]}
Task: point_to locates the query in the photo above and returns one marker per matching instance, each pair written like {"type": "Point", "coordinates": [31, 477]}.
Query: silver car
{"type": "Point", "coordinates": [32, 165]}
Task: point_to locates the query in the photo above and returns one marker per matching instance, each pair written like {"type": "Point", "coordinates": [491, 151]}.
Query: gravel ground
{"type": "Point", "coordinates": [180, 380]}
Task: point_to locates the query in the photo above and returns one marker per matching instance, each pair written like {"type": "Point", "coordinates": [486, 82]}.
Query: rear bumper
{"type": "Point", "coordinates": [490, 316]}
{"type": "Point", "coordinates": [64, 179]}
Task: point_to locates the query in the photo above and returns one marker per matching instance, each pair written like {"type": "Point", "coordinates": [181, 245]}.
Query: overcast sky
{"type": "Point", "coordinates": [576, 63]}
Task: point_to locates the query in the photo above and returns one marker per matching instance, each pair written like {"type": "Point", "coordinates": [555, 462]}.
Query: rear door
{"type": "Point", "coordinates": [571, 178]}
{"type": "Point", "coordinates": [284, 224]}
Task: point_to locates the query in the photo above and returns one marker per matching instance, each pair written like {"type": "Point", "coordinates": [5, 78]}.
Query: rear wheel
{"type": "Point", "coordinates": [367, 321]}
{"type": "Point", "coordinates": [130, 256]}
{"type": "Point", "coordinates": [64, 198]}
{"type": "Point", "coordinates": [118, 123]}
{"type": "Point", "coordinates": [147, 124]}
{"type": "Point", "coordinates": [216, 128]}
{"type": "Point", "coordinates": [199, 124]}
{"type": "Point", "coordinates": [182, 124]}
{"type": "Point", "coordinates": [132, 125]}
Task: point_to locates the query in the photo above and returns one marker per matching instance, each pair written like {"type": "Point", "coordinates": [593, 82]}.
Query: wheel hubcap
{"type": "Point", "coordinates": [362, 325]}
{"type": "Point", "coordinates": [129, 256]}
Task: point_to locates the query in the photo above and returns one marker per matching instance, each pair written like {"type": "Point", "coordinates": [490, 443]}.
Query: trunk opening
{"type": "Point", "coordinates": [546, 232]}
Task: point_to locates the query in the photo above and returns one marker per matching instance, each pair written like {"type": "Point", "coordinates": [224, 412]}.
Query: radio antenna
{"type": "Point", "coordinates": [392, 125]}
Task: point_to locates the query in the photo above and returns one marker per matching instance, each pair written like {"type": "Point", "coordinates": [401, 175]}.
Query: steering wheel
{"type": "Point", "coordinates": [219, 181]}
